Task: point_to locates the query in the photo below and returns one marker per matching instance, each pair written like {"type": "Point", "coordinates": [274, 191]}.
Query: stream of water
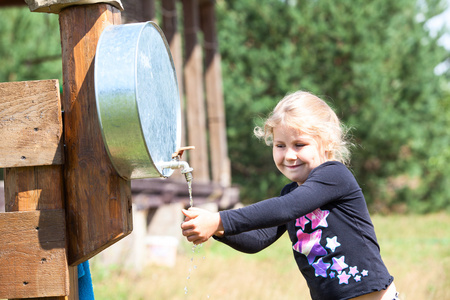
{"type": "Point", "coordinates": [195, 248]}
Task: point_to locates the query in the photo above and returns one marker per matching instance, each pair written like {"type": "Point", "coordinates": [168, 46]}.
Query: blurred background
{"type": "Point", "coordinates": [382, 65]}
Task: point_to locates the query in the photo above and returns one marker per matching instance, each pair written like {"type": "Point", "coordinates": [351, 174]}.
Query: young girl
{"type": "Point", "coordinates": [323, 209]}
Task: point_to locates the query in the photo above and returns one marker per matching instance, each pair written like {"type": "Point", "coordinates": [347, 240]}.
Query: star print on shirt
{"type": "Point", "coordinates": [309, 245]}
{"type": "Point", "coordinates": [339, 264]}
{"type": "Point", "coordinates": [357, 278]}
{"type": "Point", "coordinates": [301, 222]}
{"type": "Point", "coordinates": [353, 271]}
{"type": "Point", "coordinates": [318, 218]}
{"type": "Point", "coordinates": [343, 277]}
{"type": "Point", "coordinates": [332, 243]}
{"type": "Point", "coordinates": [364, 273]}
{"type": "Point", "coordinates": [321, 268]}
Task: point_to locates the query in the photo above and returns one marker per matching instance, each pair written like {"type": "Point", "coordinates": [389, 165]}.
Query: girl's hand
{"type": "Point", "coordinates": [200, 225]}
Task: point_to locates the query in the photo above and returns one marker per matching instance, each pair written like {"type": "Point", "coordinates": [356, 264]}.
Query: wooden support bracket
{"type": "Point", "coordinates": [98, 200]}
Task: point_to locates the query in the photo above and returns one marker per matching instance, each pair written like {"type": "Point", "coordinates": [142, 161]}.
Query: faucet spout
{"type": "Point", "coordinates": [179, 164]}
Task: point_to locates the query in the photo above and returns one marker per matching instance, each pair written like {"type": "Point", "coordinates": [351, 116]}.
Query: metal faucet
{"type": "Point", "coordinates": [176, 163]}
{"type": "Point", "coordinates": [179, 164]}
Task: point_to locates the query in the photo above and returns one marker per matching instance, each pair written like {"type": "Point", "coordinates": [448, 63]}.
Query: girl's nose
{"type": "Point", "coordinates": [290, 154]}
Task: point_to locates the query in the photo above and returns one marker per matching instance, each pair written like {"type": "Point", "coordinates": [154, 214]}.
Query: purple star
{"type": "Point", "coordinates": [321, 268]}
{"type": "Point", "coordinates": [318, 218]}
{"type": "Point", "coordinates": [353, 271]}
{"type": "Point", "coordinates": [343, 277]}
{"type": "Point", "coordinates": [332, 243]}
{"type": "Point", "coordinates": [332, 274]}
{"type": "Point", "coordinates": [357, 278]}
{"type": "Point", "coordinates": [365, 273]}
{"type": "Point", "coordinates": [309, 245]}
{"type": "Point", "coordinates": [339, 264]}
{"type": "Point", "coordinates": [301, 222]}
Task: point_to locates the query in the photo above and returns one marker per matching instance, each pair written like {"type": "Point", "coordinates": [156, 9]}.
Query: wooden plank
{"type": "Point", "coordinates": [30, 123]}
{"type": "Point", "coordinates": [195, 102]}
{"type": "Point", "coordinates": [98, 201]}
{"type": "Point", "coordinates": [220, 162]}
{"type": "Point", "coordinates": [32, 254]}
{"type": "Point", "coordinates": [34, 188]}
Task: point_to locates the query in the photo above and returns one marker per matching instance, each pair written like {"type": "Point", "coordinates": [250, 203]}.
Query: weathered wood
{"type": "Point", "coordinates": [98, 201]}
{"type": "Point", "coordinates": [220, 163]}
{"type": "Point", "coordinates": [32, 254]}
{"type": "Point", "coordinates": [39, 188]}
{"type": "Point", "coordinates": [173, 36]}
{"type": "Point", "coordinates": [30, 123]}
{"type": "Point", "coordinates": [195, 102]}
{"type": "Point", "coordinates": [138, 11]}
{"type": "Point", "coordinates": [33, 188]}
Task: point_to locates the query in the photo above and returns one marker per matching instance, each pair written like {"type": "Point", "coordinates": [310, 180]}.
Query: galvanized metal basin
{"type": "Point", "coordinates": [137, 99]}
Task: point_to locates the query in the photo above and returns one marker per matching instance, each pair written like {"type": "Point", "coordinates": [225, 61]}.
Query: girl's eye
{"type": "Point", "coordinates": [300, 145]}
{"type": "Point", "coordinates": [279, 146]}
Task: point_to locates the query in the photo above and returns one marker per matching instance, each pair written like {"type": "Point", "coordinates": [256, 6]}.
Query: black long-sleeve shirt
{"type": "Point", "coordinates": [333, 239]}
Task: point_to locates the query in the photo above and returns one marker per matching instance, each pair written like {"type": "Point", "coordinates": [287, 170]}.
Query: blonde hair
{"type": "Point", "coordinates": [310, 115]}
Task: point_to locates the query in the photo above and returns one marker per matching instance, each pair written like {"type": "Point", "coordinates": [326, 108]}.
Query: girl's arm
{"type": "Point", "coordinates": [253, 241]}
{"type": "Point", "coordinates": [329, 182]}
{"type": "Point", "coordinates": [201, 224]}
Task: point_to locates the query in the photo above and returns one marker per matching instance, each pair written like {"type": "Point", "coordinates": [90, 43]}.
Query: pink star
{"type": "Point", "coordinates": [364, 273]}
{"type": "Point", "coordinates": [301, 222]}
{"type": "Point", "coordinates": [357, 278]}
{"type": "Point", "coordinates": [339, 264]}
{"type": "Point", "coordinates": [353, 271]}
{"type": "Point", "coordinates": [343, 278]}
{"type": "Point", "coordinates": [318, 218]}
{"type": "Point", "coordinates": [309, 245]}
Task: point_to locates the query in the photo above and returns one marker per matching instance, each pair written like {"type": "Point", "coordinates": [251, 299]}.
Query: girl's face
{"type": "Point", "coordinates": [295, 154]}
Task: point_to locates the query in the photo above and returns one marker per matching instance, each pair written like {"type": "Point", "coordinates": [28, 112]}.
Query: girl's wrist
{"type": "Point", "coordinates": [220, 230]}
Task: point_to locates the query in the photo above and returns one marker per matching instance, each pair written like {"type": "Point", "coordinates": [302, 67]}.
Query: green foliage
{"type": "Point", "coordinates": [30, 46]}
{"type": "Point", "coordinates": [372, 61]}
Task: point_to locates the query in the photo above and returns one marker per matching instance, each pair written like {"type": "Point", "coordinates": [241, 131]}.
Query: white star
{"type": "Point", "coordinates": [332, 243]}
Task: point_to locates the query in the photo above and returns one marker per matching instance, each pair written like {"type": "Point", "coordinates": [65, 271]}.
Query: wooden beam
{"type": "Point", "coordinates": [30, 124]}
{"type": "Point", "coordinates": [173, 36]}
{"type": "Point", "coordinates": [33, 258]}
{"type": "Point", "coordinates": [220, 162]}
{"type": "Point", "coordinates": [98, 201]}
{"type": "Point", "coordinates": [195, 102]}
{"type": "Point", "coordinates": [12, 3]}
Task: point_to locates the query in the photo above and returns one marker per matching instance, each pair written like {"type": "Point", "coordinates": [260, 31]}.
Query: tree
{"type": "Point", "coordinates": [30, 46]}
{"type": "Point", "coordinates": [373, 61]}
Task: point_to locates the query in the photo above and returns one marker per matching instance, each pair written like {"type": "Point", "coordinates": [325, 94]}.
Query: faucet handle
{"type": "Point", "coordinates": [180, 151]}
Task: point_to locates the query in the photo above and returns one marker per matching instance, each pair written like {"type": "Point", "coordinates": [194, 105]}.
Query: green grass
{"type": "Point", "coordinates": [416, 250]}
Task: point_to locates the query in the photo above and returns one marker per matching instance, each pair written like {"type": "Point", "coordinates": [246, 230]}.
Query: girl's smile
{"type": "Point", "coordinates": [295, 154]}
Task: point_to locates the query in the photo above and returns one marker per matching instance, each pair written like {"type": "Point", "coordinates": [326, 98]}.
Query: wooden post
{"type": "Point", "coordinates": [148, 10]}
{"type": "Point", "coordinates": [173, 36]}
{"type": "Point", "coordinates": [195, 105]}
{"type": "Point", "coordinates": [98, 201]}
{"type": "Point", "coordinates": [220, 163]}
